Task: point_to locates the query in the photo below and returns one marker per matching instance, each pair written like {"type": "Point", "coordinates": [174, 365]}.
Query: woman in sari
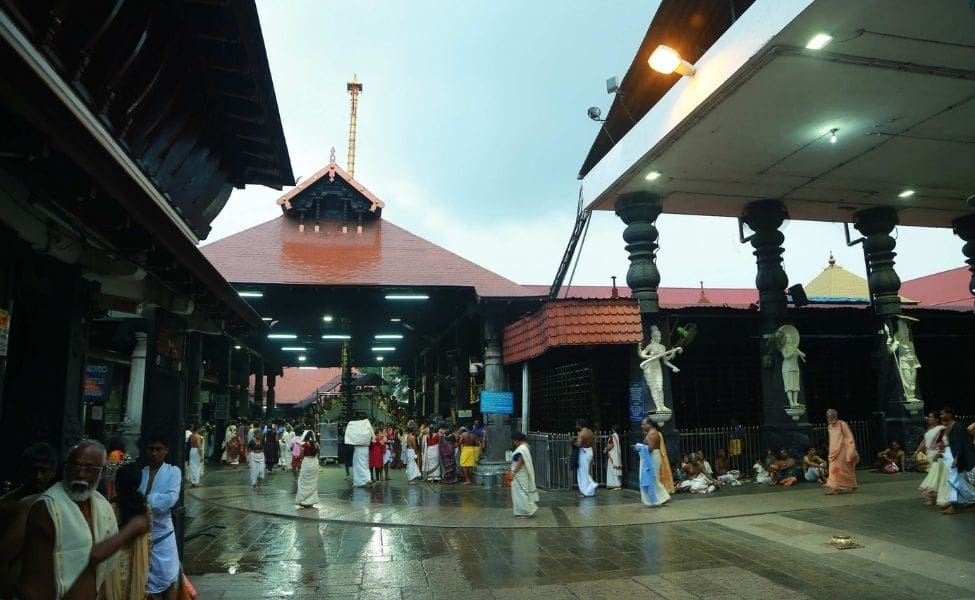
{"type": "Point", "coordinates": [232, 447]}
{"type": "Point", "coordinates": [226, 439]}
{"type": "Point", "coordinates": [431, 457]}
{"type": "Point", "coordinates": [307, 495]}
{"type": "Point", "coordinates": [243, 435]}
{"type": "Point", "coordinates": [128, 581]}
{"type": "Point", "coordinates": [448, 463]}
{"type": "Point", "coordinates": [930, 446]}
{"type": "Point", "coordinates": [377, 452]}
{"type": "Point", "coordinates": [524, 494]}
{"type": "Point", "coordinates": [614, 462]}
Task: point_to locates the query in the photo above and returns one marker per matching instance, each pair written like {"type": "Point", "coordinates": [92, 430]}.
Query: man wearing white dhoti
{"type": "Point", "coordinates": [413, 472]}
{"type": "Point", "coordinates": [359, 434]}
{"type": "Point", "coordinates": [196, 456]}
{"type": "Point", "coordinates": [307, 495]}
{"type": "Point", "coordinates": [585, 440]}
{"type": "Point", "coordinates": [524, 494]}
{"type": "Point", "coordinates": [652, 491]}
{"type": "Point", "coordinates": [160, 485]}
{"type": "Point", "coordinates": [72, 538]}
{"type": "Point", "coordinates": [255, 459]}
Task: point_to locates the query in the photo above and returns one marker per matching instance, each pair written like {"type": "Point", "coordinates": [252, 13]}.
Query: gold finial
{"type": "Point", "coordinates": [354, 88]}
{"type": "Point", "coordinates": [832, 261]}
{"type": "Point", "coordinates": [331, 166]}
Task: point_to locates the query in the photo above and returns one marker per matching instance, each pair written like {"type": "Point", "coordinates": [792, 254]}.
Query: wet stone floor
{"type": "Point", "coordinates": [748, 542]}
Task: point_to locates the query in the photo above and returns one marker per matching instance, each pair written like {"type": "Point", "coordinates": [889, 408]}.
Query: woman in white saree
{"type": "Point", "coordinates": [614, 461]}
{"type": "Point", "coordinates": [524, 494]}
{"type": "Point", "coordinates": [307, 495]}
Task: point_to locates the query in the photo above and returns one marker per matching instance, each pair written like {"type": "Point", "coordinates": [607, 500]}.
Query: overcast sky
{"type": "Point", "coordinates": [472, 129]}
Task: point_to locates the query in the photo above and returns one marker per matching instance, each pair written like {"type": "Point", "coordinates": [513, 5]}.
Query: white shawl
{"type": "Point", "coordinates": [73, 538]}
{"type": "Point", "coordinates": [528, 468]}
{"type": "Point", "coordinates": [359, 433]}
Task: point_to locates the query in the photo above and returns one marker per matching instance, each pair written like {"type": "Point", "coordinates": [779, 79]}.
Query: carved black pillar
{"type": "Point", "coordinates": [639, 210]}
{"type": "Point", "coordinates": [348, 398]}
{"type": "Point", "coordinates": [257, 366]}
{"type": "Point", "coordinates": [194, 377]}
{"type": "Point", "coordinates": [271, 395]}
{"type": "Point", "coordinates": [779, 428]}
{"type": "Point", "coordinates": [903, 419]}
{"type": "Point", "coordinates": [964, 228]}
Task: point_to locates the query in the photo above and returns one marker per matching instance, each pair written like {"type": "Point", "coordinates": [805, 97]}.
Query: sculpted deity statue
{"type": "Point", "coordinates": [901, 347]}
{"type": "Point", "coordinates": [653, 354]}
{"type": "Point", "coordinates": [787, 341]}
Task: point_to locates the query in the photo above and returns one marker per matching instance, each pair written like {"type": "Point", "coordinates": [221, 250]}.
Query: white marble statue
{"type": "Point", "coordinates": [787, 340]}
{"type": "Point", "coordinates": [901, 347]}
{"type": "Point", "coordinates": [653, 354]}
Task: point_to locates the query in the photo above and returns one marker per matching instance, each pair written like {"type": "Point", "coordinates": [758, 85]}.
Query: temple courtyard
{"type": "Point", "coordinates": [447, 541]}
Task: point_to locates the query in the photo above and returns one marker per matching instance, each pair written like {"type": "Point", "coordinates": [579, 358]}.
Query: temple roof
{"type": "Point", "coordinates": [836, 284]}
{"type": "Point", "coordinates": [296, 384]}
{"type": "Point", "coordinates": [278, 252]}
{"type": "Point", "coordinates": [943, 290]}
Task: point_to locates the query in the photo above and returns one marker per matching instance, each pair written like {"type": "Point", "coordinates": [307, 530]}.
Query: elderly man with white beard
{"type": "Point", "coordinates": [72, 536]}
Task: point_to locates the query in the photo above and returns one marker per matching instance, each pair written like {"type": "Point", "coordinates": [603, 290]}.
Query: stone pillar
{"type": "Point", "coordinates": [903, 418]}
{"type": "Point", "coordinates": [782, 426]}
{"type": "Point", "coordinates": [194, 377]}
{"type": "Point", "coordinates": [271, 405]}
{"type": "Point", "coordinates": [526, 385]}
{"type": "Point", "coordinates": [222, 362]}
{"type": "Point", "coordinates": [257, 365]}
{"type": "Point", "coordinates": [964, 227]}
{"type": "Point", "coordinates": [348, 397]}
{"type": "Point", "coordinates": [132, 424]}
{"type": "Point", "coordinates": [639, 210]}
{"type": "Point", "coordinates": [497, 427]}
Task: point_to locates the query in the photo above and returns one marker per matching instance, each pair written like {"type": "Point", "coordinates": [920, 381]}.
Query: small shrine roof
{"type": "Point", "coordinates": [836, 284]}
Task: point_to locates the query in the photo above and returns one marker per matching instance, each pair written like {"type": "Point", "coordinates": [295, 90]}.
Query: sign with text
{"type": "Point", "coordinates": [465, 414]}
{"type": "Point", "coordinates": [502, 403]}
{"type": "Point", "coordinates": [636, 401]}
{"type": "Point", "coordinates": [98, 381]}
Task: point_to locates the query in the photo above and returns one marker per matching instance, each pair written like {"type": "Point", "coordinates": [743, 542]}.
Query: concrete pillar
{"type": "Point", "coordinates": [257, 365]}
{"type": "Point", "coordinates": [783, 426]}
{"type": "Point", "coordinates": [496, 426]}
{"type": "Point", "coordinates": [899, 404]}
{"type": "Point", "coordinates": [135, 395]}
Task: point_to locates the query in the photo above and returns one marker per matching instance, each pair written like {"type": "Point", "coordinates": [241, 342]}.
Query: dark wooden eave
{"type": "Point", "coordinates": [690, 27]}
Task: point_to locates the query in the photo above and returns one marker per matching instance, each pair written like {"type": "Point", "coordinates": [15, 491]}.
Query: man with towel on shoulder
{"type": "Point", "coordinates": [72, 537]}
{"type": "Point", "coordinates": [359, 434]}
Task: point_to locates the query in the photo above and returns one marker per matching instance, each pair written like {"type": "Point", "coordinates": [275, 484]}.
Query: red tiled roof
{"type": "Point", "coordinates": [382, 255]}
{"type": "Point", "coordinates": [945, 289]}
{"type": "Point", "coordinates": [297, 384]}
{"type": "Point", "coordinates": [572, 323]}
{"type": "Point", "coordinates": [670, 297]}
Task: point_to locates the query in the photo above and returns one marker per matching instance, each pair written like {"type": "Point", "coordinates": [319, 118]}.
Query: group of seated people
{"type": "Point", "coordinates": [696, 475]}
{"type": "Point", "coordinates": [779, 468]}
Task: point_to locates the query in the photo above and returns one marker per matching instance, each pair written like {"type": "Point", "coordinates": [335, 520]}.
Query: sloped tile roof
{"type": "Point", "coordinates": [296, 384]}
{"type": "Point", "coordinates": [276, 252]}
{"type": "Point", "coordinates": [948, 289]}
{"type": "Point", "coordinates": [572, 323]}
{"type": "Point", "coordinates": [670, 297]}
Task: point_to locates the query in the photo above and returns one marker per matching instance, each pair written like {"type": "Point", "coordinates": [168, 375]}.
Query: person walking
{"type": "Point", "coordinates": [307, 495]}
{"type": "Point", "coordinates": [524, 493]}
{"type": "Point", "coordinates": [377, 450]}
{"type": "Point", "coordinates": [614, 460]}
{"type": "Point", "coordinates": [255, 459]}
{"type": "Point", "coordinates": [359, 434]}
{"type": "Point", "coordinates": [271, 448]}
{"type": "Point", "coordinates": [585, 440]}
{"type": "Point", "coordinates": [652, 492]}
{"type": "Point", "coordinates": [843, 456]}
{"type": "Point", "coordinates": [196, 456]}
{"type": "Point", "coordinates": [413, 473]}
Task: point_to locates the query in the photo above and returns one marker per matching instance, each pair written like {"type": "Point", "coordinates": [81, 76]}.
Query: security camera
{"type": "Point", "coordinates": [595, 113]}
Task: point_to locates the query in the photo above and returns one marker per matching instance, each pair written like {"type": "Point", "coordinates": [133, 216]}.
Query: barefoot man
{"type": "Point", "coordinates": [585, 440]}
{"type": "Point", "coordinates": [652, 491]}
{"type": "Point", "coordinates": [470, 450]}
{"type": "Point", "coordinates": [413, 472]}
{"type": "Point", "coordinates": [843, 457]}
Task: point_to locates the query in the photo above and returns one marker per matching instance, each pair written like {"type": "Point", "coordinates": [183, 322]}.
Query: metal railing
{"type": "Point", "coordinates": [552, 455]}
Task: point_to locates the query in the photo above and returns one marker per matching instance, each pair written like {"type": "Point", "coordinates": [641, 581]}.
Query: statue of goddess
{"type": "Point", "coordinates": [787, 338]}
{"type": "Point", "coordinates": [901, 348]}
{"type": "Point", "coordinates": [653, 354]}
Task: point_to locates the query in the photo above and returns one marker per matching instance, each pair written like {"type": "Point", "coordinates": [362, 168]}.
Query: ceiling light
{"type": "Point", "coordinates": [293, 349]}
{"type": "Point", "coordinates": [906, 194]}
{"type": "Point", "coordinates": [389, 336]}
{"type": "Point", "coordinates": [282, 336]}
{"type": "Point", "coordinates": [336, 336]}
{"type": "Point", "coordinates": [302, 358]}
{"type": "Point", "coordinates": [666, 60]}
{"type": "Point", "coordinates": [652, 175]}
{"type": "Point", "coordinates": [251, 294]}
{"type": "Point", "coordinates": [395, 320]}
{"type": "Point", "coordinates": [818, 41]}
{"type": "Point", "coordinates": [307, 368]}
{"type": "Point", "coordinates": [237, 347]}
{"type": "Point", "coordinates": [383, 349]}
{"type": "Point", "coordinates": [407, 297]}
{"type": "Point", "coordinates": [267, 318]}
{"type": "Point", "coordinates": [327, 318]}
{"type": "Point", "coordinates": [832, 136]}
{"type": "Point", "coordinates": [379, 359]}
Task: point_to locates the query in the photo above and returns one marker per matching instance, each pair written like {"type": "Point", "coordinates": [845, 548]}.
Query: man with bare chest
{"type": "Point", "coordinates": [585, 440]}
{"type": "Point", "coordinates": [413, 472]}
{"type": "Point", "coordinates": [470, 452]}
{"type": "Point", "coordinates": [72, 536]}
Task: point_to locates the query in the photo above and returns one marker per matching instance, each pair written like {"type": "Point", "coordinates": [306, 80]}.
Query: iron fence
{"type": "Point", "coordinates": [552, 452]}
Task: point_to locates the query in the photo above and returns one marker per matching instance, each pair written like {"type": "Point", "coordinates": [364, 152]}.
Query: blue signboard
{"type": "Point", "coordinates": [98, 382]}
{"type": "Point", "coordinates": [636, 401]}
{"type": "Point", "coordinates": [498, 402]}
